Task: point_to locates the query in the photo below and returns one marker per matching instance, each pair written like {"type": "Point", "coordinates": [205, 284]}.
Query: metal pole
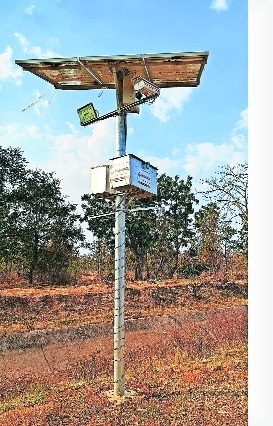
{"type": "Point", "coordinates": [119, 326]}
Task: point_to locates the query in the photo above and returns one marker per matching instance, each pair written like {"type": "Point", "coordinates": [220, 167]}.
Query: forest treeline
{"type": "Point", "coordinates": [42, 237]}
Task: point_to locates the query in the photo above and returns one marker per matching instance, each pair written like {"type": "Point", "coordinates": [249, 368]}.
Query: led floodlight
{"type": "Point", "coordinates": [87, 113]}
{"type": "Point", "coordinates": [145, 87]}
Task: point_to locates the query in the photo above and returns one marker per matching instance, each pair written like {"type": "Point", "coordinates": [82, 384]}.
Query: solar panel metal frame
{"type": "Point", "coordinates": [96, 72]}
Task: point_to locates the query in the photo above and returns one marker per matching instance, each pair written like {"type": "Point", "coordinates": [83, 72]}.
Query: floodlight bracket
{"type": "Point", "coordinates": [122, 110]}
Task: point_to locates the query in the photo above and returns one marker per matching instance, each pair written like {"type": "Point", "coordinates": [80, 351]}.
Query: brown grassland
{"type": "Point", "coordinates": [185, 356]}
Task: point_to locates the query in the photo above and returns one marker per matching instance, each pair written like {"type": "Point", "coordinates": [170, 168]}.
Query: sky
{"type": "Point", "coordinates": [186, 131]}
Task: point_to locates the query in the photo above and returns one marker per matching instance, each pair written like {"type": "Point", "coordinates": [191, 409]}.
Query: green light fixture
{"type": "Point", "coordinates": [87, 113]}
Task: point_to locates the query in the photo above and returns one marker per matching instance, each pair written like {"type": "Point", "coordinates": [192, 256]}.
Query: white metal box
{"type": "Point", "coordinates": [100, 184]}
{"type": "Point", "coordinates": [134, 176]}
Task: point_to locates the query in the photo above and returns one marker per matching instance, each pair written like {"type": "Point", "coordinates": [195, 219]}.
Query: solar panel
{"type": "Point", "coordinates": [96, 72]}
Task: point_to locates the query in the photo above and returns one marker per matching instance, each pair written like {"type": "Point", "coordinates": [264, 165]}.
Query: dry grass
{"type": "Point", "coordinates": [190, 374]}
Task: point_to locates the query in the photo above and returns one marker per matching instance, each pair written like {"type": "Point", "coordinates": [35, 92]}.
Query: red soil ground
{"type": "Point", "coordinates": [186, 356]}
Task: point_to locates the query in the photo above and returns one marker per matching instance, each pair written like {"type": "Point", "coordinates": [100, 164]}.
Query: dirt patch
{"type": "Point", "coordinates": [24, 309]}
{"type": "Point", "coordinates": [185, 356]}
{"type": "Point", "coordinates": [41, 351]}
{"type": "Point", "coordinates": [41, 338]}
{"type": "Point", "coordinates": [186, 371]}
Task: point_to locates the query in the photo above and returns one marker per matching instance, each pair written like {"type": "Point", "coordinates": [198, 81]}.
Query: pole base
{"type": "Point", "coordinates": [116, 399]}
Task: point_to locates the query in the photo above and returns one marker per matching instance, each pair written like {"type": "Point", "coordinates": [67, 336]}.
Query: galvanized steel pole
{"type": "Point", "coordinates": [119, 325]}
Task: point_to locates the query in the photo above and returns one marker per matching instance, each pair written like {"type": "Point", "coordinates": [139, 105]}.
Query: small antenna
{"type": "Point", "coordinates": [52, 97]}
{"type": "Point", "coordinates": [38, 100]}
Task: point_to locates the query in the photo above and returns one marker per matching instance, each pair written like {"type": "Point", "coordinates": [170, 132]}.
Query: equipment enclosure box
{"type": "Point", "coordinates": [133, 176]}
{"type": "Point", "coordinates": [100, 182]}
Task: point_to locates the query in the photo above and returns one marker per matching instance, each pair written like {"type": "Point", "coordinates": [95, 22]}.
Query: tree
{"type": "Point", "coordinates": [13, 169]}
{"type": "Point", "coordinates": [176, 203]}
{"type": "Point", "coordinates": [229, 190]}
{"type": "Point", "coordinates": [100, 218]}
{"type": "Point", "coordinates": [39, 231]}
{"type": "Point", "coordinates": [214, 238]}
{"type": "Point", "coordinates": [99, 214]}
{"type": "Point", "coordinates": [141, 238]}
{"type": "Point", "coordinates": [46, 225]}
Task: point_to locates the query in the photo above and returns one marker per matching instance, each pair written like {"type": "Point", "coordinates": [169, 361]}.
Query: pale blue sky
{"type": "Point", "coordinates": [187, 131]}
